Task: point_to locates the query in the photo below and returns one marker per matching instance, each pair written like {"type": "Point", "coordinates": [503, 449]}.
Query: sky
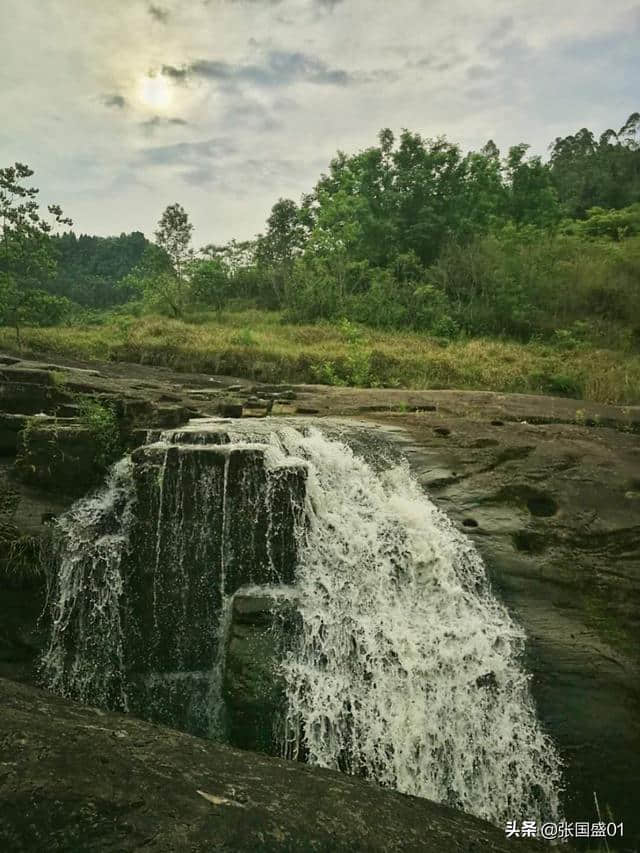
{"type": "Point", "coordinates": [122, 107]}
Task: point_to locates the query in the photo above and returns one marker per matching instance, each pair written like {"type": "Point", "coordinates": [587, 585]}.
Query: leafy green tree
{"type": "Point", "coordinates": [90, 269]}
{"type": "Point", "coordinates": [590, 173]}
{"type": "Point", "coordinates": [154, 281]}
{"type": "Point", "coordinates": [27, 261]}
{"type": "Point", "coordinates": [611, 224]}
{"type": "Point", "coordinates": [532, 198]}
{"type": "Point", "coordinates": [275, 251]}
{"type": "Point", "coordinates": [173, 236]}
{"type": "Point", "coordinates": [209, 283]}
{"type": "Point", "coordinates": [234, 256]}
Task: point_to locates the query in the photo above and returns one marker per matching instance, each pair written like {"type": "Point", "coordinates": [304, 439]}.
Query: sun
{"type": "Point", "coordinates": [154, 92]}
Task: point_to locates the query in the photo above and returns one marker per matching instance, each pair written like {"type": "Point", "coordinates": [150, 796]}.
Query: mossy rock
{"type": "Point", "coordinates": [58, 457]}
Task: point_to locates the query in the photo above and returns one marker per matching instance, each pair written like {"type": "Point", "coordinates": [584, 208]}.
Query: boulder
{"type": "Point", "coordinates": [77, 779]}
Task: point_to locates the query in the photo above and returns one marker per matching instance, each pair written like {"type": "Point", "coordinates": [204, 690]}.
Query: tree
{"type": "Point", "coordinates": [154, 280]}
{"type": "Point", "coordinates": [90, 269]}
{"type": "Point", "coordinates": [26, 257]}
{"type": "Point", "coordinates": [284, 240]}
{"type": "Point", "coordinates": [174, 237]}
{"type": "Point", "coordinates": [209, 283]}
{"type": "Point", "coordinates": [532, 198]}
{"type": "Point", "coordinates": [605, 173]}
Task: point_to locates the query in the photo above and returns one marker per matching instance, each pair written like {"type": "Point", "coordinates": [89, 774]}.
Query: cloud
{"type": "Point", "coordinates": [246, 2]}
{"type": "Point", "coordinates": [160, 121]}
{"type": "Point", "coordinates": [158, 13]}
{"type": "Point", "coordinates": [178, 75]}
{"type": "Point", "coordinates": [479, 72]}
{"type": "Point", "coordinates": [187, 153]}
{"type": "Point", "coordinates": [117, 101]}
{"type": "Point", "coordinates": [279, 68]}
{"type": "Point", "coordinates": [503, 27]}
{"type": "Point", "coordinates": [437, 62]}
{"type": "Point", "coordinates": [306, 86]}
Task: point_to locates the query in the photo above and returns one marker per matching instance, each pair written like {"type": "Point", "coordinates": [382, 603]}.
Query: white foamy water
{"type": "Point", "coordinates": [408, 670]}
{"type": "Point", "coordinates": [84, 657]}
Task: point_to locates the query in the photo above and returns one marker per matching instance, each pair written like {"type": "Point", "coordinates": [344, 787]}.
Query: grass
{"type": "Point", "coordinates": [257, 345]}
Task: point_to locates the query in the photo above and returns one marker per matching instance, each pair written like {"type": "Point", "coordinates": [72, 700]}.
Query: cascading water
{"type": "Point", "coordinates": [84, 658]}
{"type": "Point", "coordinates": [406, 669]}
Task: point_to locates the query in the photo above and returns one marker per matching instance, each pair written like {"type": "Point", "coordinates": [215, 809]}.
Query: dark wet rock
{"type": "Point", "coordinates": [168, 417]}
{"type": "Point", "coordinates": [257, 403]}
{"type": "Point", "coordinates": [231, 410]}
{"type": "Point", "coordinates": [22, 634]}
{"type": "Point", "coordinates": [58, 456]}
{"type": "Point", "coordinates": [29, 375]}
{"type": "Point", "coordinates": [209, 518]}
{"type": "Point", "coordinates": [22, 588]}
{"type": "Point", "coordinates": [29, 398]}
{"type": "Point", "coordinates": [261, 630]}
{"type": "Point", "coordinates": [77, 779]}
{"type": "Point", "coordinates": [10, 426]}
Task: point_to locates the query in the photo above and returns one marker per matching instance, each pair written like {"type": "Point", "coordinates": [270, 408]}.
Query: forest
{"type": "Point", "coordinates": [410, 235]}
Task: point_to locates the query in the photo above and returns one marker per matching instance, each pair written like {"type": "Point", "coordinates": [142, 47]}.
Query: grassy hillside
{"type": "Point", "coordinates": [259, 346]}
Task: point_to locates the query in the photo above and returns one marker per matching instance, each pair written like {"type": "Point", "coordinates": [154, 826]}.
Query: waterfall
{"type": "Point", "coordinates": [84, 657]}
{"type": "Point", "coordinates": [406, 669]}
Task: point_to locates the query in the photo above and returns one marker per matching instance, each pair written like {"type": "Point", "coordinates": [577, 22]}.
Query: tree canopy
{"type": "Point", "coordinates": [408, 232]}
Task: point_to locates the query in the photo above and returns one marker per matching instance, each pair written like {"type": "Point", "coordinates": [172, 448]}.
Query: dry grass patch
{"type": "Point", "coordinates": [259, 346]}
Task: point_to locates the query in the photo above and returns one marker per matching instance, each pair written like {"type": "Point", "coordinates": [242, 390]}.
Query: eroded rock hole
{"type": "Point", "coordinates": [542, 506]}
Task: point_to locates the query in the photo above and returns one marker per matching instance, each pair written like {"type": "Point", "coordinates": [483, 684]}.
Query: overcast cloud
{"type": "Point", "coordinates": [125, 106]}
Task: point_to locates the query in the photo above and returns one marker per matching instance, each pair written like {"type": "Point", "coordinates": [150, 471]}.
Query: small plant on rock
{"type": "Point", "coordinates": [102, 422]}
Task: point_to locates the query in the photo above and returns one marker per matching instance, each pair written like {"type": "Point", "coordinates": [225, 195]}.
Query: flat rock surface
{"type": "Point", "coordinates": [76, 779]}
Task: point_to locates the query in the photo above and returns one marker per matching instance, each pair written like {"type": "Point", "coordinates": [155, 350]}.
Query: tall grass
{"type": "Point", "coordinates": [257, 345]}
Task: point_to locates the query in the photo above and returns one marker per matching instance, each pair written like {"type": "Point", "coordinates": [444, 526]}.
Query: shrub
{"type": "Point", "coordinates": [101, 420]}
{"type": "Point", "coordinates": [243, 338]}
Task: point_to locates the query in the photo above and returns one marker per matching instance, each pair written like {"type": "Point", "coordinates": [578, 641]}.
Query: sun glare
{"type": "Point", "coordinates": [154, 92]}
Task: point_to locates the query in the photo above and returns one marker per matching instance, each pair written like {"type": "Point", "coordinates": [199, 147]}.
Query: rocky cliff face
{"type": "Point", "coordinates": [549, 490]}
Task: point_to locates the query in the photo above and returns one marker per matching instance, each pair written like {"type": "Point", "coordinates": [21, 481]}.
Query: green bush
{"type": "Point", "coordinates": [101, 420]}
{"type": "Point", "coordinates": [565, 386]}
{"type": "Point", "coordinates": [244, 338]}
